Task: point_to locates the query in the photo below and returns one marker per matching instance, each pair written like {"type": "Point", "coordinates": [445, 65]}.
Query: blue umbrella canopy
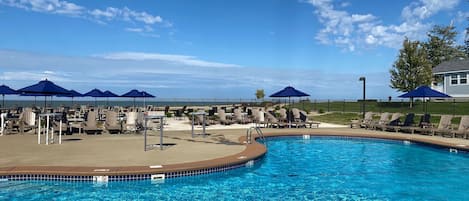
{"type": "Point", "coordinates": [95, 93]}
{"type": "Point", "coordinates": [289, 92]}
{"type": "Point", "coordinates": [72, 93]}
{"type": "Point", "coordinates": [424, 92]}
{"type": "Point", "coordinates": [110, 94]}
{"type": "Point", "coordinates": [137, 94]}
{"type": "Point", "coordinates": [134, 93]}
{"type": "Point", "coordinates": [44, 87]}
{"type": "Point", "coordinates": [6, 90]}
{"type": "Point", "coordinates": [147, 95]}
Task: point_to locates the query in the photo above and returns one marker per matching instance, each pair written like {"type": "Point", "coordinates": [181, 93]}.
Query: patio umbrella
{"type": "Point", "coordinates": [289, 92]}
{"type": "Point", "coordinates": [95, 93]}
{"type": "Point", "coordinates": [43, 88]}
{"type": "Point", "coordinates": [5, 90]}
{"type": "Point", "coordinates": [146, 95]}
{"type": "Point", "coordinates": [109, 94]}
{"type": "Point", "coordinates": [134, 93]}
{"type": "Point", "coordinates": [424, 92]}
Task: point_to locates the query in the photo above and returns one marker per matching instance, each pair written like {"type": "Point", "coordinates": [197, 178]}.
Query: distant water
{"type": "Point", "coordinates": [56, 103]}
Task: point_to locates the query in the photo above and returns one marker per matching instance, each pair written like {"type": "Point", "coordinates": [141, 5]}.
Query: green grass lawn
{"type": "Point", "coordinates": [457, 108]}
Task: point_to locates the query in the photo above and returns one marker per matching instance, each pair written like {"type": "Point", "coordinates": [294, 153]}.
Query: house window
{"type": "Point", "coordinates": [463, 78]}
{"type": "Point", "coordinates": [454, 79]}
{"type": "Point", "coordinates": [459, 79]}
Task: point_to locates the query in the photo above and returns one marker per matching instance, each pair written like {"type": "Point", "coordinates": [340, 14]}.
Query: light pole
{"type": "Point", "coordinates": [364, 97]}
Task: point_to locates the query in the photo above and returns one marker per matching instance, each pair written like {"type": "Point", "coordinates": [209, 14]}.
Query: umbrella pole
{"type": "Point", "coordinates": [288, 114]}
{"type": "Point", "coordinates": [45, 103]}
{"type": "Point", "coordinates": [134, 102]}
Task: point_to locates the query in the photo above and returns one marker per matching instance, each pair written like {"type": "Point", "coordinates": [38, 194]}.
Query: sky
{"type": "Point", "coordinates": [216, 49]}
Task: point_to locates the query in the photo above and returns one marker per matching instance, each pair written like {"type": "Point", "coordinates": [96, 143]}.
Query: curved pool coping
{"type": "Point", "coordinates": [252, 152]}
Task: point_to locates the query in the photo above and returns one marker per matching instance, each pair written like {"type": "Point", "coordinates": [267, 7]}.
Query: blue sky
{"type": "Point", "coordinates": [215, 49]}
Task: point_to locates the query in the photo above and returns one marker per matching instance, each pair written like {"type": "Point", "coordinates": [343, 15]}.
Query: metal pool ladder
{"type": "Point", "coordinates": [249, 134]}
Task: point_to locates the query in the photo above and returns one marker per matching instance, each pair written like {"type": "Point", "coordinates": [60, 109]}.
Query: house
{"type": "Point", "coordinates": [452, 77]}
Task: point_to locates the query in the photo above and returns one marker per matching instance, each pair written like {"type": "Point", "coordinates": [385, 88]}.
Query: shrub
{"type": "Point", "coordinates": [321, 111]}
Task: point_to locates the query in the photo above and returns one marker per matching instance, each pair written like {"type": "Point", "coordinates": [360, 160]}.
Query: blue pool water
{"type": "Point", "coordinates": [322, 168]}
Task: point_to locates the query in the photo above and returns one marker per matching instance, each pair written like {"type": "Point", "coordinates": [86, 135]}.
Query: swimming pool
{"type": "Point", "coordinates": [321, 168]}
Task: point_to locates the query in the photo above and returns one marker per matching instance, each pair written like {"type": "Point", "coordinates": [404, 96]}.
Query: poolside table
{"type": "Point", "coordinates": [47, 119]}
{"type": "Point", "coordinates": [76, 123]}
{"type": "Point", "coordinates": [151, 117]}
{"type": "Point", "coordinates": [203, 122]}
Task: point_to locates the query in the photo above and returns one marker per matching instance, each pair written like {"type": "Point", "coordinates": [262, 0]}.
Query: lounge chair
{"type": "Point", "coordinates": [283, 117]}
{"type": "Point", "coordinates": [27, 120]}
{"type": "Point", "coordinates": [200, 119]}
{"type": "Point", "coordinates": [423, 124]}
{"type": "Point", "coordinates": [91, 126]}
{"type": "Point", "coordinates": [444, 126]}
{"type": "Point", "coordinates": [131, 122]}
{"type": "Point", "coordinates": [111, 124]}
{"type": "Point", "coordinates": [295, 113]}
{"type": "Point", "coordinates": [382, 120]}
{"type": "Point", "coordinates": [239, 117]}
{"type": "Point", "coordinates": [222, 117]}
{"type": "Point", "coordinates": [367, 121]}
{"type": "Point", "coordinates": [463, 128]}
{"type": "Point", "coordinates": [272, 121]}
{"type": "Point", "coordinates": [407, 124]}
{"type": "Point", "coordinates": [306, 121]}
{"type": "Point", "coordinates": [394, 121]}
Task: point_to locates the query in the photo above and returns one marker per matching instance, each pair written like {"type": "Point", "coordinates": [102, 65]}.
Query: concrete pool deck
{"type": "Point", "coordinates": [123, 154]}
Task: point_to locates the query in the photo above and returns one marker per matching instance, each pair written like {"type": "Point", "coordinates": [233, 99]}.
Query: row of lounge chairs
{"type": "Point", "coordinates": [281, 119]}
{"type": "Point", "coordinates": [114, 122]}
{"type": "Point", "coordinates": [388, 122]}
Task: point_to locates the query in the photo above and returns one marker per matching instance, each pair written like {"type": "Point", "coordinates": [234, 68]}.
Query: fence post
{"type": "Point", "coordinates": [328, 105]}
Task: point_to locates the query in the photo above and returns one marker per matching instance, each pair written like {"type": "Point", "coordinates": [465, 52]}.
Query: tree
{"type": "Point", "coordinates": [260, 94]}
{"type": "Point", "coordinates": [466, 41]}
{"type": "Point", "coordinates": [412, 68]}
{"type": "Point", "coordinates": [441, 45]}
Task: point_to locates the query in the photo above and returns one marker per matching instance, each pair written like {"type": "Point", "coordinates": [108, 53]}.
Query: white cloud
{"type": "Point", "coordinates": [424, 9]}
{"type": "Point", "coordinates": [181, 59]}
{"type": "Point", "coordinates": [352, 31]}
{"type": "Point", "coordinates": [125, 14]}
{"type": "Point", "coordinates": [143, 19]}
{"type": "Point", "coordinates": [46, 6]}
{"type": "Point", "coordinates": [179, 76]}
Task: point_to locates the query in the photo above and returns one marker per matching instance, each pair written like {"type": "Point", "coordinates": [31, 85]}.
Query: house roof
{"type": "Point", "coordinates": [454, 65]}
